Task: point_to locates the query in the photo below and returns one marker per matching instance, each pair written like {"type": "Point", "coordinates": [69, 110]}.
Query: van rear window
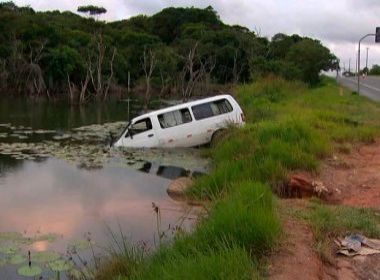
{"type": "Point", "coordinates": [174, 118]}
{"type": "Point", "coordinates": [210, 109]}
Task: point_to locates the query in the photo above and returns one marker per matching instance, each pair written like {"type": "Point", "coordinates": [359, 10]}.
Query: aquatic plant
{"type": "Point", "coordinates": [8, 249]}
{"type": "Point", "coordinates": [60, 265]}
{"type": "Point", "coordinates": [45, 256]}
{"type": "Point", "coordinates": [17, 259]}
{"type": "Point", "coordinates": [29, 271]}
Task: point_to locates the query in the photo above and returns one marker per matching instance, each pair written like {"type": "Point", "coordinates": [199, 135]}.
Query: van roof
{"type": "Point", "coordinates": [183, 105]}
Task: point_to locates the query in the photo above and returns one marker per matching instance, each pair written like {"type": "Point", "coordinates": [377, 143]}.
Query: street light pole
{"type": "Point", "coordinates": [366, 60]}
{"type": "Point", "coordinates": [360, 41]}
{"type": "Point", "coordinates": [349, 66]}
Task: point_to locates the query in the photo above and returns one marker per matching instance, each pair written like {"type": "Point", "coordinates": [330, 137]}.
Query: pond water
{"type": "Point", "coordinates": [64, 193]}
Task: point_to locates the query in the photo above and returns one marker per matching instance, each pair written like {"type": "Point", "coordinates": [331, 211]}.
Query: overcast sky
{"type": "Point", "coordinates": [337, 23]}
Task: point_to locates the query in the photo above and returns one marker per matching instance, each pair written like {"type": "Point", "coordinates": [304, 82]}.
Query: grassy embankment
{"type": "Point", "coordinates": [290, 127]}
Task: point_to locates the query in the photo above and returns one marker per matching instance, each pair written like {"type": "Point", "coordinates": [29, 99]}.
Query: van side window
{"type": "Point", "coordinates": [140, 126]}
{"type": "Point", "coordinates": [210, 109]}
{"type": "Point", "coordinates": [174, 118]}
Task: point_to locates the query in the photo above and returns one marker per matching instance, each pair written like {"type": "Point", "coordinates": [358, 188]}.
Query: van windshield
{"type": "Point", "coordinates": [124, 130]}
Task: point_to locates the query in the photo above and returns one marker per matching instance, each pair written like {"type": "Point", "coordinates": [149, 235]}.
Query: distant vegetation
{"type": "Point", "coordinates": [178, 51]}
{"type": "Point", "coordinates": [375, 70]}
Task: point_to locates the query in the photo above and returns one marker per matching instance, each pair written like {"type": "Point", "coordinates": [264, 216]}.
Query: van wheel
{"type": "Point", "coordinates": [217, 137]}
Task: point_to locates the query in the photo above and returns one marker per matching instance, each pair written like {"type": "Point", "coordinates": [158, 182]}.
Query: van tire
{"type": "Point", "coordinates": [217, 137]}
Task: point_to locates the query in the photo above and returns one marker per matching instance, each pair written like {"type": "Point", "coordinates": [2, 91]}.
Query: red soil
{"type": "Point", "coordinates": [354, 180]}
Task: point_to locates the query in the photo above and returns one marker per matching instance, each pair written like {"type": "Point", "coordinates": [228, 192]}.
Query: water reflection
{"type": "Point", "coordinates": [8, 164]}
{"type": "Point", "coordinates": [172, 172]}
{"type": "Point", "coordinates": [59, 115]}
{"type": "Point", "coordinates": [56, 197]}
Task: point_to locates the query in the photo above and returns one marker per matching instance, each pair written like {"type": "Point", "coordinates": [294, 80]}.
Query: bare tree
{"type": "Point", "coordinates": [148, 63]}
{"type": "Point", "coordinates": [95, 72]}
{"type": "Point", "coordinates": [189, 74]}
{"type": "Point", "coordinates": [35, 78]}
{"type": "Point", "coordinates": [196, 69]}
{"type": "Point", "coordinates": [84, 86]}
{"type": "Point", "coordinates": [109, 80]}
{"type": "Point", "coordinates": [237, 68]}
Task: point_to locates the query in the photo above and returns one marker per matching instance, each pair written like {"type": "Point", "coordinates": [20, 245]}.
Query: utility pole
{"type": "Point", "coordinates": [366, 61]}
{"type": "Point", "coordinates": [349, 65]}
{"type": "Point", "coordinates": [129, 81]}
{"type": "Point", "coordinates": [360, 41]}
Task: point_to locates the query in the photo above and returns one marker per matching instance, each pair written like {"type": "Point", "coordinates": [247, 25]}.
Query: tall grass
{"type": "Point", "coordinates": [240, 228]}
{"type": "Point", "coordinates": [290, 127]}
{"type": "Point", "coordinates": [297, 128]}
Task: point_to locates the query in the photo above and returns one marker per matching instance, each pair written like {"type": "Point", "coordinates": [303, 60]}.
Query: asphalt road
{"type": "Point", "coordinates": [369, 86]}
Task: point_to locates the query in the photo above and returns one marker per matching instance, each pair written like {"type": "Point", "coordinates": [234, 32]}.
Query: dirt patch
{"type": "Point", "coordinates": [349, 179]}
{"type": "Point", "coordinates": [354, 178]}
{"type": "Point", "coordinates": [296, 259]}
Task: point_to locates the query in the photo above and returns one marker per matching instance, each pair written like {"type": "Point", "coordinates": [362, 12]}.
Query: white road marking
{"type": "Point", "coordinates": [362, 84]}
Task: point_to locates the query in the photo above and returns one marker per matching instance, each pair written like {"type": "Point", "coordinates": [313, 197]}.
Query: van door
{"type": "Point", "coordinates": [205, 126]}
{"type": "Point", "coordinates": [211, 116]}
{"type": "Point", "coordinates": [141, 134]}
{"type": "Point", "coordinates": [176, 128]}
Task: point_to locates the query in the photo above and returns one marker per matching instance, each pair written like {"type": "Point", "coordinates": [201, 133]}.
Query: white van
{"type": "Point", "coordinates": [186, 125]}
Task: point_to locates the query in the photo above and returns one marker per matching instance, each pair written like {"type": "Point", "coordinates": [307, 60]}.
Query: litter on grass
{"type": "Point", "coordinates": [356, 244]}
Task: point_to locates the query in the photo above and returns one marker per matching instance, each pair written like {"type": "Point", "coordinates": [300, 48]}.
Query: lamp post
{"type": "Point", "coordinates": [360, 41]}
{"type": "Point", "coordinates": [349, 66]}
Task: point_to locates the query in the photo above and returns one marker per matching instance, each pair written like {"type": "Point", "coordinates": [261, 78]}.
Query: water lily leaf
{"type": "Point", "coordinates": [46, 256]}
{"type": "Point", "coordinates": [8, 249]}
{"type": "Point", "coordinates": [29, 271]}
{"type": "Point", "coordinates": [50, 237]}
{"type": "Point", "coordinates": [60, 265]}
{"type": "Point", "coordinates": [80, 244]}
{"type": "Point", "coordinates": [10, 236]}
{"type": "Point", "coordinates": [17, 259]}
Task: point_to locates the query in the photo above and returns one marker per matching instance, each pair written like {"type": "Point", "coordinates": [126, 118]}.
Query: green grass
{"type": "Point", "coordinates": [290, 127]}
{"type": "Point", "coordinates": [330, 222]}
{"type": "Point", "coordinates": [333, 221]}
{"type": "Point", "coordinates": [226, 262]}
{"type": "Point", "coordinates": [239, 228]}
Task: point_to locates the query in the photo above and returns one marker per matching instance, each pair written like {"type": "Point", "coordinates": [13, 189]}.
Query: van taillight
{"type": "Point", "coordinates": [242, 117]}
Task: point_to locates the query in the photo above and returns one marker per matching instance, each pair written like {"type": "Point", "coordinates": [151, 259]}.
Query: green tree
{"type": "Point", "coordinates": [311, 57]}
{"type": "Point", "coordinates": [375, 70]}
{"type": "Point", "coordinates": [92, 10]}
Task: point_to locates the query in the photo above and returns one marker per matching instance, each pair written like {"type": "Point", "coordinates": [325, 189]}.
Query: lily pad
{"type": "Point", "coordinates": [10, 236]}
{"type": "Point", "coordinates": [80, 244]}
{"type": "Point", "coordinates": [29, 271]}
{"type": "Point", "coordinates": [8, 249]}
{"type": "Point", "coordinates": [17, 259]}
{"type": "Point", "coordinates": [46, 256]}
{"type": "Point", "coordinates": [60, 265]}
{"type": "Point", "coordinates": [50, 237]}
